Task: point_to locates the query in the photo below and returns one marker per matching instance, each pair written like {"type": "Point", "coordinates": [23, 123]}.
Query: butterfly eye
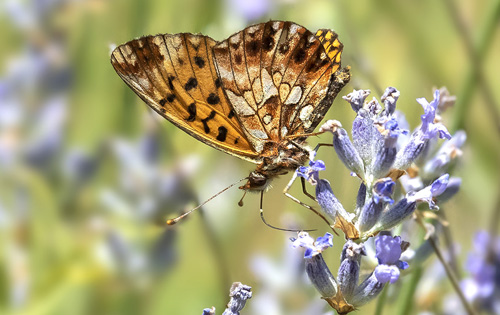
{"type": "Point", "coordinates": [257, 180]}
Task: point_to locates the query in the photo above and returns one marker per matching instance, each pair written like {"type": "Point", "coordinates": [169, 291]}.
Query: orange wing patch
{"type": "Point", "coordinates": [175, 75]}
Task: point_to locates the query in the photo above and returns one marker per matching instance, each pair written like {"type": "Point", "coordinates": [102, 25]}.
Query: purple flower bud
{"type": "Point", "coordinates": [385, 157]}
{"type": "Point", "coordinates": [239, 294]}
{"type": "Point", "coordinates": [369, 215]}
{"type": "Point", "coordinates": [395, 215]}
{"type": "Point", "coordinates": [357, 99]}
{"type": "Point", "coordinates": [390, 98]}
{"type": "Point", "coordinates": [451, 190]}
{"type": "Point", "coordinates": [448, 152]}
{"type": "Point", "coordinates": [348, 274]}
{"type": "Point", "coordinates": [366, 138]}
{"type": "Point", "coordinates": [208, 311]}
{"type": "Point", "coordinates": [483, 264]}
{"type": "Point", "coordinates": [346, 151]}
{"type": "Point", "coordinates": [320, 276]}
{"type": "Point", "coordinates": [366, 291]}
{"type": "Point", "coordinates": [386, 273]}
{"type": "Point", "coordinates": [316, 268]}
{"type": "Point", "coordinates": [406, 156]}
{"type": "Point", "coordinates": [372, 210]}
{"type": "Point", "coordinates": [361, 197]}
{"type": "Point", "coordinates": [428, 130]}
{"type": "Point", "coordinates": [327, 200]}
{"type": "Point", "coordinates": [373, 107]}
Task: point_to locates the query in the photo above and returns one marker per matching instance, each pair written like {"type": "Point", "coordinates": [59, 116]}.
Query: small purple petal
{"type": "Point", "coordinates": [312, 248]}
{"type": "Point", "coordinates": [387, 273]}
{"type": "Point", "coordinates": [357, 99]}
{"type": "Point", "coordinates": [388, 249]}
{"type": "Point", "coordinates": [402, 265]}
{"type": "Point", "coordinates": [383, 190]}
{"type": "Point", "coordinates": [439, 185]}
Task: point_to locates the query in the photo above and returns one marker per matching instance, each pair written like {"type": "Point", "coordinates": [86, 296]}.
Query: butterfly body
{"type": "Point", "coordinates": [252, 95]}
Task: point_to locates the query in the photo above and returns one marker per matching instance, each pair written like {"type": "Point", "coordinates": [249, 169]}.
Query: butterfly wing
{"type": "Point", "coordinates": [279, 78]}
{"type": "Point", "coordinates": [175, 75]}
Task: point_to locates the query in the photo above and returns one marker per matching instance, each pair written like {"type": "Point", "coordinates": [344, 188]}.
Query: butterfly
{"type": "Point", "coordinates": [255, 95]}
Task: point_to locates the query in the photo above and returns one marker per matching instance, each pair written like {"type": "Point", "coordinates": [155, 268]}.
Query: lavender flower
{"type": "Point", "coordinates": [316, 268]}
{"type": "Point", "coordinates": [376, 155]}
{"type": "Point", "coordinates": [389, 251]}
{"type": "Point", "coordinates": [346, 288]}
{"type": "Point", "coordinates": [382, 156]}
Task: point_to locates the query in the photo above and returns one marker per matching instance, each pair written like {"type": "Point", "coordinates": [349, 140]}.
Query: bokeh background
{"type": "Point", "coordinates": [87, 171]}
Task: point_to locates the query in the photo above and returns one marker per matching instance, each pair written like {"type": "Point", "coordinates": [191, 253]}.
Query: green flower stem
{"type": "Point", "coordinates": [449, 272]}
{"type": "Point", "coordinates": [448, 240]}
{"type": "Point", "coordinates": [476, 54]}
{"type": "Point", "coordinates": [381, 301]}
{"type": "Point", "coordinates": [408, 293]}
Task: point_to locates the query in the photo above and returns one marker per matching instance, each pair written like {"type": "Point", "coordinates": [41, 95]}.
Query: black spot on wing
{"type": "Point", "coordinates": [222, 134]}
{"type": "Point", "coordinates": [191, 84]}
{"type": "Point", "coordinates": [213, 99]}
{"type": "Point", "coordinates": [192, 112]}
{"type": "Point", "coordinates": [170, 82]}
{"type": "Point", "coordinates": [218, 82]}
{"type": "Point", "coordinates": [205, 121]}
{"type": "Point", "coordinates": [199, 61]}
{"type": "Point", "coordinates": [253, 48]}
{"type": "Point", "coordinates": [238, 59]}
{"type": "Point", "coordinates": [170, 98]}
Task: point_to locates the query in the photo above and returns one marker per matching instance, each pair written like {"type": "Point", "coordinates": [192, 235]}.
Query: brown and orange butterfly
{"type": "Point", "coordinates": [256, 95]}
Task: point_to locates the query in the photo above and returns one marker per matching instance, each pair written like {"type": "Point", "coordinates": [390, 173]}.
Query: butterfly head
{"type": "Point", "coordinates": [256, 182]}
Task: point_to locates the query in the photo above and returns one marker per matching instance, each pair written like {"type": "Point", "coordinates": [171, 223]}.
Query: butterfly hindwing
{"type": "Point", "coordinates": [175, 75]}
{"type": "Point", "coordinates": [278, 77]}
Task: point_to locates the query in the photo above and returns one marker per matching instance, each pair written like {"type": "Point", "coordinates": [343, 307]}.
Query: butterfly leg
{"type": "Point", "coordinates": [322, 145]}
{"type": "Point", "coordinates": [304, 190]}
{"type": "Point", "coordinates": [287, 188]}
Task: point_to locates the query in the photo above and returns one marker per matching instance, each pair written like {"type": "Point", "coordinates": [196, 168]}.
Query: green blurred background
{"type": "Point", "coordinates": [87, 170]}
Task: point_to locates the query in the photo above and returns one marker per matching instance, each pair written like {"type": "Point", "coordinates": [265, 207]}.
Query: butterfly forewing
{"type": "Point", "coordinates": [175, 75]}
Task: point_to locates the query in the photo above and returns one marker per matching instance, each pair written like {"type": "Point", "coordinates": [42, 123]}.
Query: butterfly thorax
{"type": "Point", "coordinates": [281, 157]}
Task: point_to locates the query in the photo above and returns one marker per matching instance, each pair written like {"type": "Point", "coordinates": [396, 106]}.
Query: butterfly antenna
{"type": "Point", "coordinates": [175, 220]}
{"type": "Point", "coordinates": [272, 226]}
{"type": "Point", "coordinates": [240, 203]}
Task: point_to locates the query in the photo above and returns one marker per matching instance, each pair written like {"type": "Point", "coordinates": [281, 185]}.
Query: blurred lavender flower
{"type": "Point", "coordinates": [148, 190]}
{"type": "Point", "coordinates": [145, 193]}
{"type": "Point", "coordinates": [280, 279]}
{"type": "Point", "coordinates": [251, 10]}
{"type": "Point", "coordinates": [239, 294]}
{"type": "Point", "coordinates": [482, 289]}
